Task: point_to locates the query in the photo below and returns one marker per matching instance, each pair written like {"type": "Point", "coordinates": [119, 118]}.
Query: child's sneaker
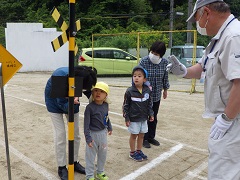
{"type": "Point", "coordinates": [142, 155]}
{"type": "Point", "coordinates": [136, 156]}
{"type": "Point", "coordinates": [102, 176]}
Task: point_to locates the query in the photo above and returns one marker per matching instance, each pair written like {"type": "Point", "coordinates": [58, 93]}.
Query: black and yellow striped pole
{"type": "Point", "coordinates": [71, 89]}
{"type": "Point", "coordinates": [69, 33]}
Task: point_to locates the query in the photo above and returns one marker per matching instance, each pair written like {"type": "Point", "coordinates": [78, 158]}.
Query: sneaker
{"type": "Point", "coordinates": [79, 168]}
{"type": "Point", "coordinates": [136, 156]}
{"type": "Point", "coordinates": [146, 144]}
{"type": "Point", "coordinates": [102, 176]}
{"type": "Point", "coordinates": [154, 142]}
{"type": "Point", "coordinates": [63, 173]}
{"type": "Point", "coordinates": [144, 157]}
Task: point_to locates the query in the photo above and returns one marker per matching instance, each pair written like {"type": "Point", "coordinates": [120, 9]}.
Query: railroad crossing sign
{"type": "Point", "coordinates": [64, 37]}
{"type": "Point", "coordinates": [10, 65]}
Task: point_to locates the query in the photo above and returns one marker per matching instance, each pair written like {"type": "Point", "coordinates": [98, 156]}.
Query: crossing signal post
{"type": "Point", "coordinates": [69, 33]}
{"type": "Point", "coordinates": [72, 34]}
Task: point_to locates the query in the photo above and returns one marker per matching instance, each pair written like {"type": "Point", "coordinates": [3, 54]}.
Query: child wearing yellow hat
{"type": "Point", "coordinates": [96, 127]}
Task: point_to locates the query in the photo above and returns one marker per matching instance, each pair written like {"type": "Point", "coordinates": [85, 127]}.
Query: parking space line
{"type": "Point", "coordinates": [27, 100]}
{"type": "Point", "coordinates": [195, 173]}
{"type": "Point", "coordinates": [153, 163]}
{"type": "Point", "coordinates": [185, 145]}
{"type": "Point", "coordinates": [5, 87]}
{"type": "Point", "coordinates": [38, 168]}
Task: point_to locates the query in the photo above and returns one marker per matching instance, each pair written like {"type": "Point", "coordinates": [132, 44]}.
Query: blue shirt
{"type": "Point", "coordinates": [57, 105]}
{"type": "Point", "coordinates": [157, 76]}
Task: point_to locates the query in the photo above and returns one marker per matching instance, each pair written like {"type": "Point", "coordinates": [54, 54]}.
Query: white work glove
{"type": "Point", "coordinates": [219, 128]}
{"type": "Point", "coordinates": [176, 67]}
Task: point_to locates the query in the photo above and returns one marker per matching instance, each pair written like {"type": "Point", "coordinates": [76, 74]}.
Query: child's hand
{"type": "Point", "coordinates": [109, 132]}
{"type": "Point", "coordinates": [127, 123]}
{"type": "Point", "coordinates": [90, 144]}
{"type": "Point", "coordinates": [151, 119]}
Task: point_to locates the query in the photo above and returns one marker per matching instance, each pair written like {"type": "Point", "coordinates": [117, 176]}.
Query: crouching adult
{"type": "Point", "coordinates": [58, 108]}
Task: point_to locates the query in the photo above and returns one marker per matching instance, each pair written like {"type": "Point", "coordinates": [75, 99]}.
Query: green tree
{"type": "Point", "coordinates": [2, 35]}
{"type": "Point", "coordinates": [107, 16]}
{"type": "Point", "coordinates": [234, 6]}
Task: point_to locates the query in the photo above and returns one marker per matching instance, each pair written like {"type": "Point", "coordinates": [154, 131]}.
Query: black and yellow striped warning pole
{"type": "Point", "coordinates": [71, 89]}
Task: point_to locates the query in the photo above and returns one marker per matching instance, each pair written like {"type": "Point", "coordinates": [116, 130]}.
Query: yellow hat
{"type": "Point", "coordinates": [103, 86]}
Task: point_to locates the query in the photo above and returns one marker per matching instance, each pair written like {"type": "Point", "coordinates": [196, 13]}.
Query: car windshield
{"type": "Point", "coordinates": [100, 54]}
{"type": "Point", "coordinates": [188, 52]}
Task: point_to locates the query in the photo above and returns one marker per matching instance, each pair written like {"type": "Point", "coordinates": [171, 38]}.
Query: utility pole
{"type": "Point", "coordinates": [171, 22]}
{"type": "Point", "coordinates": [189, 24]}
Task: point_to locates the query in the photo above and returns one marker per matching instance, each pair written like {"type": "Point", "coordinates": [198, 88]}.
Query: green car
{"type": "Point", "coordinates": [108, 61]}
{"type": "Point", "coordinates": [185, 53]}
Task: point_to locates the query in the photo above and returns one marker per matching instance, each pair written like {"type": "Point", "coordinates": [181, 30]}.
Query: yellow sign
{"type": "Point", "coordinates": [10, 65]}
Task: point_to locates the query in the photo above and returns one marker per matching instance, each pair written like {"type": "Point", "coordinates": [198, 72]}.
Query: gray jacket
{"type": "Point", "coordinates": [96, 119]}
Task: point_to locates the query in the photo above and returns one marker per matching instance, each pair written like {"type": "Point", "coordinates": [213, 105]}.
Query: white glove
{"type": "Point", "coordinates": [219, 128]}
{"type": "Point", "coordinates": [176, 67]}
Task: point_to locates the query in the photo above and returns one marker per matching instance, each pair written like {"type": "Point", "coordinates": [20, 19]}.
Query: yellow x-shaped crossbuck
{"type": "Point", "coordinates": [63, 38]}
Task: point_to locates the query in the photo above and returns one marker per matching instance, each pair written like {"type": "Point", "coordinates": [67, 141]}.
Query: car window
{"type": "Point", "coordinates": [89, 53]}
{"type": "Point", "coordinates": [122, 55]}
{"type": "Point", "coordinates": [101, 54]}
{"type": "Point", "coordinates": [106, 54]}
{"type": "Point", "coordinates": [118, 55]}
{"type": "Point", "coordinates": [188, 52]}
{"type": "Point", "coordinates": [176, 51]}
{"type": "Point", "coordinates": [200, 52]}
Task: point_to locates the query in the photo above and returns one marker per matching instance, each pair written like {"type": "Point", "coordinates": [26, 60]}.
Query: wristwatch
{"type": "Point", "coordinates": [224, 116]}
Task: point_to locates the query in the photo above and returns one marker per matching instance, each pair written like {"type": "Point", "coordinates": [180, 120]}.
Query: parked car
{"type": "Point", "coordinates": [108, 60]}
{"type": "Point", "coordinates": [185, 53]}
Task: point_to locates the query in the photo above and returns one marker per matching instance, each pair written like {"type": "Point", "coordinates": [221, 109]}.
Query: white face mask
{"type": "Point", "coordinates": [202, 31]}
{"type": "Point", "coordinates": [154, 59]}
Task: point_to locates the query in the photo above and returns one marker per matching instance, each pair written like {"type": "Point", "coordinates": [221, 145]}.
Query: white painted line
{"type": "Point", "coordinates": [119, 126]}
{"type": "Point", "coordinates": [27, 100]}
{"type": "Point", "coordinates": [185, 145]}
{"type": "Point", "coordinates": [168, 140]}
{"type": "Point", "coordinates": [195, 173]}
{"type": "Point", "coordinates": [153, 163]}
{"type": "Point", "coordinates": [5, 87]}
{"type": "Point", "coordinates": [190, 174]}
{"type": "Point", "coordinates": [32, 164]}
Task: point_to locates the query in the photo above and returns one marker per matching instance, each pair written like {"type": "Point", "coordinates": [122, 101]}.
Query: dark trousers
{"type": "Point", "coordinates": [152, 125]}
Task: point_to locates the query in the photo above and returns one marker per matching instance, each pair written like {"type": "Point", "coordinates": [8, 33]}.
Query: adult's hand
{"type": "Point", "coordinates": [76, 100]}
{"type": "Point", "coordinates": [219, 128]}
{"type": "Point", "coordinates": [176, 67]}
